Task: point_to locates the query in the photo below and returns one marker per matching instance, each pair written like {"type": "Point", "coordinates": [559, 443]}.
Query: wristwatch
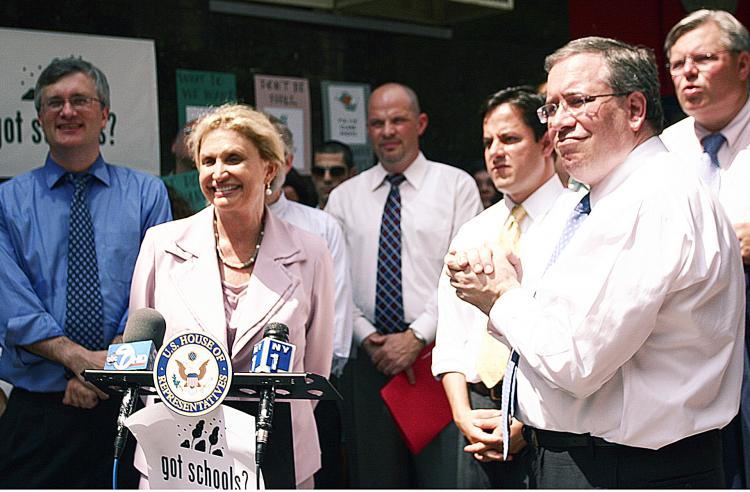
{"type": "Point", "coordinates": [418, 336]}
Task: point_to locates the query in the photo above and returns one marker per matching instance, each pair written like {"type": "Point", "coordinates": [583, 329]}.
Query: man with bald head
{"type": "Point", "coordinates": [399, 216]}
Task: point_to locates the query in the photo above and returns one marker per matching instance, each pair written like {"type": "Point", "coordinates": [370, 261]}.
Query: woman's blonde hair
{"type": "Point", "coordinates": [246, 121]}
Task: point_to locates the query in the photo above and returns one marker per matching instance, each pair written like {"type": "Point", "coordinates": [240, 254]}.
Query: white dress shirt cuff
{"type": "Point", "coordinates": [507, 308]}
{"type": "Point", "coordinates": [362, 329]}
{"type": "Point", "coordinates": [426, 327]}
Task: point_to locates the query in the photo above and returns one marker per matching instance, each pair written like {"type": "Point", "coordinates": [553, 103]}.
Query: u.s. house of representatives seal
{"type": "Point", "coordinates": [193, 374]}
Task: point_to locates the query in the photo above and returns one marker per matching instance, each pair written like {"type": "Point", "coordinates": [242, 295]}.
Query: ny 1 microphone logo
{"type": "Point", "coordinates": [271, 355]}
{"type": "Point", "coordinates": [134, 356]}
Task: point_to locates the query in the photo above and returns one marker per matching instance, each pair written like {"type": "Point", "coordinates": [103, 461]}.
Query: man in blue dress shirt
{"type": "Point", "coordinates": [62, 303]}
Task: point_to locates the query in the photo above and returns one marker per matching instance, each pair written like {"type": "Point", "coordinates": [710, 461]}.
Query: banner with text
{"type": "Point", "coordinates": [213, 451]}
{"type": "Point", "coordinates": [198, 90]}
{"type": "Point", "coordinates": [288, 99]}
{"type": "Point", "coordinates": [345, 118]}
{"type": "Point", "coordinates": [131, 137]}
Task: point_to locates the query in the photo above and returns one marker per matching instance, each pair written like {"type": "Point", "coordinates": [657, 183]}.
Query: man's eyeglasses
{"type": "Point", "coordinates": [77, 102]}
{"type": "Point", "coordinates": [336, 172]}
{"type": "Point", "coordinates": [701, 61]}
{"type": "Point", "coordinates": [575, 104]}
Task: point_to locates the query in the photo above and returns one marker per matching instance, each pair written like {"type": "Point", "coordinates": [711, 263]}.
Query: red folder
{"type": "Point", "coordinates": [421, 411]}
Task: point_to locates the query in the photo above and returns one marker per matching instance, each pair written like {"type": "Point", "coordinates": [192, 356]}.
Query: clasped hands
{"type": "Point", "coordinates": [481, 275]}
{"type": "Point", "coordinates": [80, 393]}
{"type": "Point", "coordinates": [482, 428]}
{"type": "Point", "coordinates": [393, 353]}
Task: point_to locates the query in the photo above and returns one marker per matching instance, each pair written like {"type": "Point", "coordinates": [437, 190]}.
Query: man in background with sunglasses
{"type": "Point", "coordinates": [709, 61]}
{"type": "Point", "coordinates": [333, 163]}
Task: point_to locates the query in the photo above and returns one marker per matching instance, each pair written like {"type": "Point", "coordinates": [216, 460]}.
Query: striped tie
{"type": "Point", "coordinates": [389, 301]}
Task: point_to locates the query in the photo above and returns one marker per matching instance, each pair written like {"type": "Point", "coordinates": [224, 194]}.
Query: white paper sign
{"type": "Point", "coordinates": [294, 119]}
{"type": "Point", "coordinates": [348, 117]}
{"type": "Point", "coordinates": [213, 451]}
{"type": "Point", "coordinates": [131, 136]}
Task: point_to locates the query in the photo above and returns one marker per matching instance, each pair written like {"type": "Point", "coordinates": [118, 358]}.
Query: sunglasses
{"type": "Point", "coordinates": [336, 172]}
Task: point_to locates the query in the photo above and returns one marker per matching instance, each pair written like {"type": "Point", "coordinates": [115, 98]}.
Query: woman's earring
{"type": "Point", "coordinates": [268, 189]}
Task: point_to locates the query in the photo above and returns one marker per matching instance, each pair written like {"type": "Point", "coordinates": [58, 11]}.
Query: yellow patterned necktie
{"type": "Point", "coordinates": [493, 355]}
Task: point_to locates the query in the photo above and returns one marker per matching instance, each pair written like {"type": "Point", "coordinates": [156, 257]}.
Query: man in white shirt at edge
{"type": "Point", "coordinates": [436, 199]}
{"type": "Point", "coordinates": [709, 54]}
{"type": "Point", "coordinates": [631, 347]}
{"type": "Point", "coordinates": [327, 412]}
{"type": "Point", "coordinates": [518, 156]}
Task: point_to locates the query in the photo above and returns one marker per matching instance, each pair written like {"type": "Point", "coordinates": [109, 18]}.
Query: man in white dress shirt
{"type": "Point", "coordinates": [631, 347]}
{"type": "Point", "coordinates": [435, 200]}
{"type": "Point", "coordinates": [327, 412]}
{"type": "Point", "coordinates": [518, 156]}
{"type": "Point", "coordinates": [709, 61]}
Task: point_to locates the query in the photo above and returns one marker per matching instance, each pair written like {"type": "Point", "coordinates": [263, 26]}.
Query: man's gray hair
{"type": "Point", "coordinates": [285, 133]}
{"type": "Point", "coordinates": [631, 69]}
{"type": "Point", "coordinates": [61, 67]}
{"type": "Point", "coordinates": [288, 140]}
{"type": "Point", "coordinates": [734, 35]}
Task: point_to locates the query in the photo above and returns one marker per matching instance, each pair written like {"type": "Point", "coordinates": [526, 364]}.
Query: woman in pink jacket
{"type": "Point", "coordinates": [234, 267]}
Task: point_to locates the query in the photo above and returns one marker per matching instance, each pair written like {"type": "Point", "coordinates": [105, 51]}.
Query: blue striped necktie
{"type": "Point", "coordinates": [389, 301]}
{"type": "Point", "coordinates": [508, 398]}
{"type": "Point", "coordinates": [84, 318]}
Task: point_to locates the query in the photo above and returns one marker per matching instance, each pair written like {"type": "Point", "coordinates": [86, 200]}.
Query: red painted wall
{"type": "Point", "coordinates": [644, 22]}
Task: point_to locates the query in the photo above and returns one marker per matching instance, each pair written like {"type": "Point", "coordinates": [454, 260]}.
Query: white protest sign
{"type": "Point", "coordinates": [213, 451]}
{"type": "Point", "coordinates": [131, 136]}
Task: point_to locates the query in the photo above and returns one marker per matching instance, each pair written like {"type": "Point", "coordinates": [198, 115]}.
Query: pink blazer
{"type": "Point", "coordinates": [177, 274]}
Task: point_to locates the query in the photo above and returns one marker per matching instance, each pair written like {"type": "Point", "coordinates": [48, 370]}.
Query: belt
{"type": "Point", "coordinates": [495, 393]}
{"type": "Point", "coordinates": [550, 439]}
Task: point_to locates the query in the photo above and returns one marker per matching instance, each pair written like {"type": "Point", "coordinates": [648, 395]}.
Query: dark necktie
{"type": "Point", "coordinates": [711, 145]}
{"type": "Point", "coordinates": [389, 301]}
{"type": "Point", "coordinates": [508, 399]}
{"type": "Point", "coordinates": [83, 320]}
{"type": "Point", "coordinates": [711, 175]}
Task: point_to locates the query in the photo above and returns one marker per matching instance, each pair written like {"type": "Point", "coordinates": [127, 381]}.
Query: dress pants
{"type": "Point", "coordinates": [736, 435]}
{"type": "Point", "coordinates": [328, 421]}
{"type": "Point", "coordinates": [693, 462]}
{"type": "Point", "coordinates": [376, 452]}
{"type": "Point", "coordinates": [473, 474]}
{"type": "Point", "coordinates": [47, 445]}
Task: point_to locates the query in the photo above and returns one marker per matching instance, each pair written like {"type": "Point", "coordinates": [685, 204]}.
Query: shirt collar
{"type": "Point", "coordinates": [54, 172]}
{"type": "Point", "coordinates": [279, 206]}
{"type": "Point", "coordinates": [538, 203]}
{"type": "Point", "coordinates": [633, 161]}
{"type": "Point", "coordinates": [414, 173]}
{"type": "Point", "coordinates": [733, 131]}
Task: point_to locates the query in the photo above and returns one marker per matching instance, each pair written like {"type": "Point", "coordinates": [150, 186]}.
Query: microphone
{"type": "Point", "coordinates": [144, 333]}
{"type": "Point", "coordinates": [272, 354]}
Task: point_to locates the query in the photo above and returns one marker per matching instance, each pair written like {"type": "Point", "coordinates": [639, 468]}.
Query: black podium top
{"type": "Point", "coordinates": [287, 385]}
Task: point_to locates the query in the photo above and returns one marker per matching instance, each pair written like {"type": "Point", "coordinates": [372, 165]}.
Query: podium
{"type": "Point", "coordinates": [278, 469]}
